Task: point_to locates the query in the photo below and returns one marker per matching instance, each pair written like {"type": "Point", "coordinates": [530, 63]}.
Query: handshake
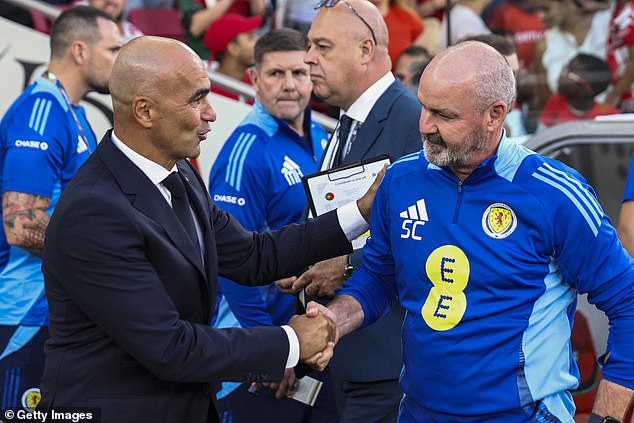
{"type": "Point", "coordinates": [317, 333]}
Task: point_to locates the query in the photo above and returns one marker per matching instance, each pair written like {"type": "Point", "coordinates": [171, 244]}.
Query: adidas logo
{"type": "Point", "coordinates": [413, 219]}
{"type": "Point", "coordinates": [81, 145]}
{"type": "Point", "coordinates": [291, 171]}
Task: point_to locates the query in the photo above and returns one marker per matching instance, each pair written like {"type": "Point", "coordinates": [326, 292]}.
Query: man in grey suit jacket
{"type": "Point", "coordinates": [350, 68]}
{"type": "Point", "coordinates": [131, 289]}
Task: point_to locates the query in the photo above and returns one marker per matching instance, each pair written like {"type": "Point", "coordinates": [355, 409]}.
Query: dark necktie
{"type": "Point", "coordinates": [180, 204]}
{"type": "Point", "coordinates": [345, 123]}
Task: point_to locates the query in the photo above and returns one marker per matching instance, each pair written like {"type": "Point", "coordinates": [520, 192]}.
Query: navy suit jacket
{"type": "Point", "coordinates": [130, 298]}
{"type": "Point", "coordinates": [374, 353]}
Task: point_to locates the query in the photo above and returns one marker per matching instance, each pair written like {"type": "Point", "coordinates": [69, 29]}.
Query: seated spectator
{"type": "Point", "coordinates": [198, 15]}
{"type": "Point", "coordinates": [409, 61]}
{"type": "Point", "coordinates": [580, 81]}
{"type": "Point", "coordinates": [573, 27]}
{"type": "Point", "coordinates": [465, 20]}
{"type": "Point", "coordinates": [115, 9]}
{"type": "Point", "coordinates": [404, 26]}
{"type": "Point", "coordinates": [230, 41]}
{"type": "Point", "coordinates": [524, 21]}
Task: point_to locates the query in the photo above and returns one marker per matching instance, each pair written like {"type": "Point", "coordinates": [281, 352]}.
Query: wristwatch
{"type": "Point", "coordinates": [347, 271]}
{"type": "Point", "coordinates": [595, 418]}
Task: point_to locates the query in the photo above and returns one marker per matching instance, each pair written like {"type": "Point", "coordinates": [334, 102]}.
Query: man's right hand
{"type": "Point", "coordinates": [316, 332]}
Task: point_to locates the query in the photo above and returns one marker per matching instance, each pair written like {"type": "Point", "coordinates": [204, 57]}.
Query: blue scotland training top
{"type": "Point", "coordinates": [488, 270]}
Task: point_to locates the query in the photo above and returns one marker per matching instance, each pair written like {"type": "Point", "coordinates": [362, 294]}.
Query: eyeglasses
{"type": "Point", "coordinates": [332, 3]}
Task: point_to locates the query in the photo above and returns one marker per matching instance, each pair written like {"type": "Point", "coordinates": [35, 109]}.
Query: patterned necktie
{"type": "Point", "coordinates": [345, 123]}
{"type": "Point", "coordinates": [180, 205]}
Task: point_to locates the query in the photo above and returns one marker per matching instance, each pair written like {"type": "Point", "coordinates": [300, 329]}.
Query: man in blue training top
{"type": "Point", "coordinates": [486, 244]}
{"type": "Point", "coordinates": [44, 138]}
{"type": "Point", "coordinates": [257, 178]}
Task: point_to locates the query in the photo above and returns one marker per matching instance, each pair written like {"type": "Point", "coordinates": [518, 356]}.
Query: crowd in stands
{"type": "Point", "coordinates": [547, 35]}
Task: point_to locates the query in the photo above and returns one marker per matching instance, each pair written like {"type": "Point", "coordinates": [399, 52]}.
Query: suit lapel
{"type": "Point", "coordinates": [146, 198]}
{"type": "Point", "coordinates": [373, 126]}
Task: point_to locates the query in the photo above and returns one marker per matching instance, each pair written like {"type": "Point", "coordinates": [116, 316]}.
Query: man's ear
{"type": "Point", "coordinates": [367, 51]}
{"type": "Point", "coordinates": [79, 52]}
{"type": "Point", "coordinates": [143, 111]}
{"type": "Point", "coordinates": [253, 74]}
{"type": "Point", "coordinates": [496, 114]}
{"type": "Point", "coordinates": [232, 48]}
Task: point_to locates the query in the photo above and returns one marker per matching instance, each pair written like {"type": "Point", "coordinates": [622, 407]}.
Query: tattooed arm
{"type": "Point", "coordinates": [25, 220]}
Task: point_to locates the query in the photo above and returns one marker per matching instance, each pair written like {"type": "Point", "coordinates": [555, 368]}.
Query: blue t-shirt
{"type": "Point", "coordinates": [488, 270]}
{"type": "Point", "coordinates": [257, 178]}
{"type": "Point", "coordinates": [41, 147]}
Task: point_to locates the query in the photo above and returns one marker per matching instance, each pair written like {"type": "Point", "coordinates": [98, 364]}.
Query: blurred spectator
{"type": "Point", "coordinates": [465, 21]}
{"type": "Point", "coordinates": [115, 8]}
{"type": "Point", "coordinates": [266, 156]}
{"type": "Point", "coordinates": [230, 41]}
{"type": "Point", "coordinates": [620, 53]}
{"type": "Point", "coordinates": [404, 26]}
{"type": "Point", "coordinates": [198, 15]}
{"type": "Point", "coordinates": [521, 19]}
{"type": "Point", "coordinates": [296, 14]}
{"type": "Point", "coordinates": [410, 61]}
{"type": "Point", "coordinates": [573, 27]}
{"type": "Point", "coordinates": [580, 81]}
{"type": "Point", "coordinates": [416, 69]}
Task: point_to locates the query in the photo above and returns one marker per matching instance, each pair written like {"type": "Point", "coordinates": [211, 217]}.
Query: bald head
{"type": "Point", "coordinates": [477, 65]}
{"type": "Point", "coordinates": [160, 90]}
{"type": "Point", "coordinates": [150, 66]}
{"type": "Point", "coordinates": [344, 60]}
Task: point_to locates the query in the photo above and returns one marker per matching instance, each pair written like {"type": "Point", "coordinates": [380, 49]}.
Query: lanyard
{"type": "Point", "coordinates": [51, 77]}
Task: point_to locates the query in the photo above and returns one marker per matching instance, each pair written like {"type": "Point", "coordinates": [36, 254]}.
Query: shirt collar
{"type": "Point", "coordinates": [154, 171]}
{"type": "Point", "coordinates": [360, 109]}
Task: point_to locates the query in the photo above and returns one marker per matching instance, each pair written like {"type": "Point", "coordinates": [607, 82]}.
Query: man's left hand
{"type": "Point", "coordinates": [322, 279]}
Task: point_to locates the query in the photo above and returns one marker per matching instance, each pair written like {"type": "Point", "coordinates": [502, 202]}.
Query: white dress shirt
{"type": "Point", "coordinates": [358, 111]}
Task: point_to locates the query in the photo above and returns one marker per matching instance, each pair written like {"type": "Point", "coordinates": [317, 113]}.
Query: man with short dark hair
{"type": "Point", "coordinates": [44, 139]}
{"type": "Point", "coordinates": [257, 177]}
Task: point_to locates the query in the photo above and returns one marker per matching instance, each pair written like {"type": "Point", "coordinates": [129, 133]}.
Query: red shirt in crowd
{"type": "Point", "coordinates": [557, 111]}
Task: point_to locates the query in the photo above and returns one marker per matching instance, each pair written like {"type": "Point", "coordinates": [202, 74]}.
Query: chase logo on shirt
{"type": "Point", "coordinates": [499, 221]}
{"type": "Point", "coordinates": [231, 199]}
{"type": "Point", "coordinates": [40, 145]}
